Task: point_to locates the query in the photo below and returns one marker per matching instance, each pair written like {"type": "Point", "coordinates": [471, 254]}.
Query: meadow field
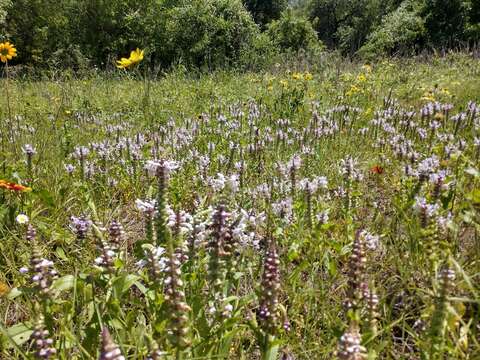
{"type": "Point", "coordinates": [305, 212]}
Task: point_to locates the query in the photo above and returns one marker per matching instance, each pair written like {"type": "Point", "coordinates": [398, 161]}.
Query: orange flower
{"type": "Point", "coordinates": [13, 186]}
{"type": "Point", "coordinates": [377, 169]}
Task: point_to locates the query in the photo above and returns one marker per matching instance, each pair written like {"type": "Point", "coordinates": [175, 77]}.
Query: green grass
{"type": "Point", "coordinates": [419, 313]}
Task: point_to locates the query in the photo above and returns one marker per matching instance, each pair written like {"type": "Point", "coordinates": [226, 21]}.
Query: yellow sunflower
{"type": "Point", "coordinates": [135, 57]}
{"type": "Point", "coordinates": [7, 52]}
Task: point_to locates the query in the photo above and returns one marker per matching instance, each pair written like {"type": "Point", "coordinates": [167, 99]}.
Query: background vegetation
{"type": "Point", "coordinates": [209, 34]}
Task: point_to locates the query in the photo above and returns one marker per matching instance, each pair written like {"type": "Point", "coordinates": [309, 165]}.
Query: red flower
{"type": "Point", "coordinates": [13, 186]}
{"type": "Point", "coordinates": [377, 169]}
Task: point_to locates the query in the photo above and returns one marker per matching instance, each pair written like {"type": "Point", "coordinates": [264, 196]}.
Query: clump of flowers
{"type": "Point", "coordinates": [349, 347]}
{"type": "Point", "coordinates": [80, 226]}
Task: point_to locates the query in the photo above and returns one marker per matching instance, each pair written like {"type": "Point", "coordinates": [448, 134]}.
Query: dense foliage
{"type": "Point", "coordinates": [351, 24]}
{"type": "Point", "coordinates": [218, 33]}
{"type": "Point", "coordinates": [264, 11]}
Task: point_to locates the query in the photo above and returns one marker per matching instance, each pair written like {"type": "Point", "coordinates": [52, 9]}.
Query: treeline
{"type": "Point", "coordinates": [389, 27]}
{"type": "Point", "coordinates": [229, 33]}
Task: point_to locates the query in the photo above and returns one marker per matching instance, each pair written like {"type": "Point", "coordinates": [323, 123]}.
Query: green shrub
{"type": "Point", "coordinates": [260, 55]}
{"type": "Point", "coordinates": [4, 4]}
{"type": "Point", "coordinates": [445, 21]}
{"type": "Point", "coordinates": [264, 11]}
{"type": "Point", "coordinates": [292, 33]}
{"type": "Point", "coordinates": [399, 33]}
{"type": "Point", "coordinates": [209, 33]}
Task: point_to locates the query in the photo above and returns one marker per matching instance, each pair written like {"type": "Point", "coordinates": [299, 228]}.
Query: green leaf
{"type": "Point", "coordinates": [472, 171]}
{"type": "Point", "coordinates": [19, 333]}
{"type": "Point", "coordinates": [122, 283]}
{"type": "Point", "coordinates": [64, 283]}
{"type": "Point", "coordinates": [61, 253]}
{"type": "Point", "coordinates": [15, 292]}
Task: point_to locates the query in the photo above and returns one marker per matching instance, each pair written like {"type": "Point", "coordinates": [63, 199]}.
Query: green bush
{"type": "Point", "coordinates": [445, 21]}
{"type": "Point", "coordinates": [472, 27]}
{"type": "Point", "coordinates": [260, 55]}
{"type": "Point", "coordinates": [399, 33]}
{"type": "Point", "coordinates": [209, 33]}
{"type": "Point", "coordinates": [293, 33]}
{"type": "Point", "coordinates": [264, 11]}
{"type": "Point", "coordinates": [4, 4]}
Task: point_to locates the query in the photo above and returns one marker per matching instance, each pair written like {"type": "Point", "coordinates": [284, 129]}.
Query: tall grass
{"type": "Point", "coordinates": [306, 212]}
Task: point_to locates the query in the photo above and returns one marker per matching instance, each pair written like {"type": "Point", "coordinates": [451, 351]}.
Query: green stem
{"type": "Point", "coordinates": [179, 355]}
{"type": "Point", "coordinates": [270, 352]}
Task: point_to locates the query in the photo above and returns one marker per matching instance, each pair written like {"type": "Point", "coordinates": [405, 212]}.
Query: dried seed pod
{"type": "Point", "coordinates": [178, 308]}
{"type": "Point", "coordinates": [371, 304]}
{"type": "Point", "coordinates": [216, 248]}
{"type": "Point", "coordinates": [356, 272]}
{"type": "Point", "coordinates": [115, 232]}
{"type": "Point", "coordinates": [270, 286]}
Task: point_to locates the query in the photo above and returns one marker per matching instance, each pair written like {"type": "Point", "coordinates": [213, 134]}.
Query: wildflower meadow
{"type": "Point", "coordinates": [327, 212]}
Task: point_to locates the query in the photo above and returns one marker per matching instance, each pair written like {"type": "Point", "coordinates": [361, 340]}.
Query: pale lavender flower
{"type": "Point", "coordinates": [323, 217]}
{"type": "Point", "coordinates": [348, 168]}
{"type": "Point", "coordinates": [152, 166]}
{"type": "Point", "coordinates": [371, 241]}
{"type": "Point", "coordinates": [29, 150]}
{"type": "Point", "coordinates": [69, 168]}
{"type": "Point", "coordinates": [283, 208]}
{"type": "Point", "coordinates": [80, 226]}
{"type": "Point", "coordinates": [146, 206]}
{"type": "Point", "coordinates": [422, 205]}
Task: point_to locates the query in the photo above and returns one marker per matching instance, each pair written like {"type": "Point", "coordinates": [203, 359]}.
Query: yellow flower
{"type": "Point", "coordinates": [361, 78]}
{"type": "Point", "coordinates": [353, 90]}
{"type": "Point", "coordinates": [135, 57]}
{"type": "Point", "coordinates": [4, 289]}
{"type": "Point", "coordinates": [296, 76]}
{"type": "Point", "coordinates": [428, 96]}
{"type": "Point", "coordinates": [284, 83]}
{"type": "Point", "coordinates": [445, 91]}
{"type": "Point", "coordinates": [307, 76]}
{"type": "Point", "coordinates": [7, 52]}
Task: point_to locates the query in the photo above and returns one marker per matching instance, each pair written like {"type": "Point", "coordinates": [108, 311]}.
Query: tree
{"type": "Point", "coordinates": [399, 33]}
{"type": "Point", "coordinates": [264, 11]}
{"type": "Point", "coordinates": [292, 33]}
{"type": "Point", "coordinates": [346, 24]}
{"type": "Point", "coordinates": [444, 21]}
